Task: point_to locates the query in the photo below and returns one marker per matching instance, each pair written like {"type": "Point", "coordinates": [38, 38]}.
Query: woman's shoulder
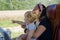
{"type": "Point", "coordinates": [45, 23]}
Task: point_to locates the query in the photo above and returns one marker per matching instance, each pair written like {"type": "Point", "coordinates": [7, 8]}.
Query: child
{"type": "Point", "coordinates": [30, 17]}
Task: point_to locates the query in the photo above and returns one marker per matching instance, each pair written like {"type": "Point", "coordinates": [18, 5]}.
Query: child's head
{"type": "Point", "coordinates": [30, 16]}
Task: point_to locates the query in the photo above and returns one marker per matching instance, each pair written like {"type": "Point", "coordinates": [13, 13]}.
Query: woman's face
{"type": "Point", "coordinates": [37, 13]}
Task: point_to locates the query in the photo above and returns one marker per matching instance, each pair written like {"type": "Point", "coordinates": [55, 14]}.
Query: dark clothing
{"type": "Point", "coordinates": [47, 35]}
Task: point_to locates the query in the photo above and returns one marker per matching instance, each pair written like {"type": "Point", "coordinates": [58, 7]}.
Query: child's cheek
{"type": "Point", "coordinates": [26, 20]}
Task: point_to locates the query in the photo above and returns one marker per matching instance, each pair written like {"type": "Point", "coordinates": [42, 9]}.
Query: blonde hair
{"type": "Point", "coordinates": [31, 16]}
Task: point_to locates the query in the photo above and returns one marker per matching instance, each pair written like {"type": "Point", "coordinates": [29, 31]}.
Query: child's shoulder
{"type": "Point", "coordinates": [32, 26]}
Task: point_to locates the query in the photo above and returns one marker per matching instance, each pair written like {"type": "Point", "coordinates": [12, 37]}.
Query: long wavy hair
{"type": "Point", "coordinates": [43, 14]}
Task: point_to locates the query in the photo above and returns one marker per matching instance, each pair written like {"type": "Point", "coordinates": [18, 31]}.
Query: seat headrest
{"type": "Point", "coordinates": [51, 8]}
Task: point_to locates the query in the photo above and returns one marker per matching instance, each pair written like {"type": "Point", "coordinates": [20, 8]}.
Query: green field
{"type": "Point", "coordinates": [7, 23]}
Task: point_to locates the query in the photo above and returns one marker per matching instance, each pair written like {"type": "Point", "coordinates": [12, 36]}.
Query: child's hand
{"type": "Point", "coordinates": [23, 25]}
{"type": "Point", "coordinates": [13, 21]}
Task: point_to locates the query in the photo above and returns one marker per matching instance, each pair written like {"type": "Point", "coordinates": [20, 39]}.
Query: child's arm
{"type": "Point", "coordinates": [30, 34]}
{"type": "Point", "coordinates": [19, 22]}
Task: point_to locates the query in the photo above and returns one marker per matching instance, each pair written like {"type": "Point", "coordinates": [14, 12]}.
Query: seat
{"type": "Point", "coordinates": [53, 14]}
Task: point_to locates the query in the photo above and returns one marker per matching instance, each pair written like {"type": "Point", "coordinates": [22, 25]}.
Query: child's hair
{"type": "Point", "coordinates": [31, 16]}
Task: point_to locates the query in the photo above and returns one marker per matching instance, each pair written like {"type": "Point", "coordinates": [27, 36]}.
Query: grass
{"type": "Point", "coordinates": [7, 23]}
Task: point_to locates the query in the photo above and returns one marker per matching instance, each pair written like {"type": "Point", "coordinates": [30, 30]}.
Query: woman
{"type": "Point", "coordinates": [43, 31]}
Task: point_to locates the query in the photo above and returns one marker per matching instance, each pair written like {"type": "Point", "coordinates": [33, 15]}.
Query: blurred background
{"type": "Point", "coordinates": [14, 10]}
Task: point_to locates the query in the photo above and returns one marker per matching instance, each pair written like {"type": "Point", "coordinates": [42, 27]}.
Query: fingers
{"type": "Point", "coordinates": [13, 21]}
